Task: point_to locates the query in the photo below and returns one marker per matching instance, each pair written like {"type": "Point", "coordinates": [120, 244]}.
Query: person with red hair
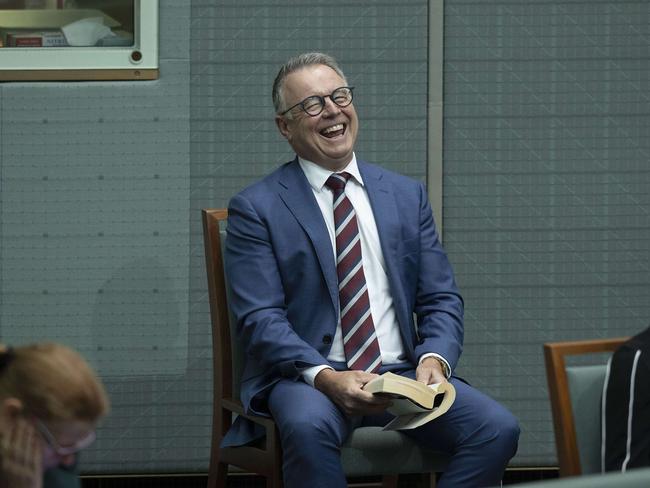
{"type": "Point", "coordinates": [50, 403]}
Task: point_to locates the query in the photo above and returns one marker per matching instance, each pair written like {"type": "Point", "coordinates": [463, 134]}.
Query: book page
{"type": "Point", "coordinates": [410, 415]}
{"type": "Point", "coordinates": [404, 406]}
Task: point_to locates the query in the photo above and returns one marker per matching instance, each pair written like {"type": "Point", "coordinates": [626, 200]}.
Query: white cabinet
{"type": "Point", "coordinates": [79, 40]}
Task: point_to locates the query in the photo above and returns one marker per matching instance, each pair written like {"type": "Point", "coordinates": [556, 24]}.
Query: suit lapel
{"type": "Point", "coordinates": [299, 198]}
{"type": "Point", "coordinates": [384, 207]}
{"type": "Point", "coordinates": [382, 201]}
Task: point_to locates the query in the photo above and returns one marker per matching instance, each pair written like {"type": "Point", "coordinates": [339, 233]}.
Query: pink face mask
{"type": "Point", "coordinates": [57, 449]}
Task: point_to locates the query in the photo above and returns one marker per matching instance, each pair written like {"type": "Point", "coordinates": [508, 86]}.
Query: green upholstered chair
{"type": "Point", "coordinates": [369, 451]}
{"type": "Point", "coordinates": [576, 393]}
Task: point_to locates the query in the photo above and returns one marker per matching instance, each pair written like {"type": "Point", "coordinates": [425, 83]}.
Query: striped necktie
{"type": "Point", "coordinates": [359, 338]}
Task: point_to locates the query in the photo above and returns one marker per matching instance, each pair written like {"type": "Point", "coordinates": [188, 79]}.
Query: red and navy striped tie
{"type": "Point", "coordinates": [359, 338]}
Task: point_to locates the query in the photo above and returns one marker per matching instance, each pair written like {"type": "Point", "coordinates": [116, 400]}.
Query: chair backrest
{"type": "Point", "coordinates": [227, 356]}
{"type": "Point", "coordinates": [227, 364]}
{"type": "Point", "coordinates": [585, 389]}
{"type": "Point", "coordinates": [575, 394]}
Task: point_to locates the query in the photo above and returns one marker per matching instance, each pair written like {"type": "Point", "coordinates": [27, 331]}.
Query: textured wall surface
{"type": "Point", "coordinates": [102, 186]}
{"type": "Point", "coordinates": [546, 184]}
{"type": "Point", "coordinates": [95, 200]}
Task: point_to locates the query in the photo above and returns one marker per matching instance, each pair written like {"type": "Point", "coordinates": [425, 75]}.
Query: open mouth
{"type": "Point", "coordinates": [334, 130]}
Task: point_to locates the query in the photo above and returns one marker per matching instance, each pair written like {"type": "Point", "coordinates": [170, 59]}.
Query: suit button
{"type": "Point", "coordinates": [327, 339]}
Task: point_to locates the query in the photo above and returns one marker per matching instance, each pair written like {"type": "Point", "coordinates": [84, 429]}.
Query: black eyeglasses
{"type": "Point", "coordinates": [315, 104]}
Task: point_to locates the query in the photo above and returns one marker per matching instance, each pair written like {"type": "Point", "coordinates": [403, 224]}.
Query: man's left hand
{"type": "Point", "coordinates": [430, 371]}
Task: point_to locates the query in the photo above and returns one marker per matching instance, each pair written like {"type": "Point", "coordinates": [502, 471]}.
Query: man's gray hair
{"type": "Point", "coordinates": [294, 64]}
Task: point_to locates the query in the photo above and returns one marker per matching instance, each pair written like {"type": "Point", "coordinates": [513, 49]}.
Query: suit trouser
{"type": "Point", "coordinates": [480, 434]}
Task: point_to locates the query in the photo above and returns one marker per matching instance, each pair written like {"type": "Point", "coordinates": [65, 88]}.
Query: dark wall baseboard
{"type": "Point", "coordinates": [512, 476]}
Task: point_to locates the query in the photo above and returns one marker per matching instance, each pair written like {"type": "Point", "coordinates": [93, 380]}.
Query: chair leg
{"type": "Point", "coordinates": [432, 480]}
{"type": "Point", "coordinates": [218, 475]}
{"type": "Point", "coordinates": [389, 481]}
{"type": "Point", "coordinates": [274, 480]}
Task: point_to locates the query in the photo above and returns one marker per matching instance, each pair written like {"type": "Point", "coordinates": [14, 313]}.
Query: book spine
{"type": "Point", "coordinates": [24, 41]}
{"type": "Point", "coordinates": [29, 42]}
{"type": "Point", "coordinates": [45, 39]}
{"type": "Point", "coordinates": [54, 40]}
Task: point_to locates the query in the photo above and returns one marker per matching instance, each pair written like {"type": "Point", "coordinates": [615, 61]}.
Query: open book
{"type": "Point", "coordinates": [414, 403]}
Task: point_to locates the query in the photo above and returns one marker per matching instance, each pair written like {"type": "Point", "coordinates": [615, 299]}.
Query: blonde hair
{"type": "Point", "coordinates": [54, 383]}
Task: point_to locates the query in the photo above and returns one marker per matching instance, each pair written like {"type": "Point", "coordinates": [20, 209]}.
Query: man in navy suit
{"type": "Point", "coordinates": [284, 259]}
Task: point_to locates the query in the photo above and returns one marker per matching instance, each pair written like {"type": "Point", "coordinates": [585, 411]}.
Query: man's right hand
{"type": "Point", "coordinates": [345, 388]}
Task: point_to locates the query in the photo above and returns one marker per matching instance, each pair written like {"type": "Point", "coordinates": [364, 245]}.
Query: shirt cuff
{"type": "Point", "coordinates": [309, 374]}
{"type": "Point", "coordinates": [446, 369]}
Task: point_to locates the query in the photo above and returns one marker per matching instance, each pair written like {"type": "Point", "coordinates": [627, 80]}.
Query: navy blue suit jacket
{"type": "Point", "coordinates": [284, 287]}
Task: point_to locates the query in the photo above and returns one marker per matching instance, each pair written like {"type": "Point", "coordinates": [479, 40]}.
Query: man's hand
{"type": "Point", "coordinates": [430, 371]}
{"type": "Point", "coordinates": [21, 458]}
{"type": "Point", "coordinates": [345, 389]}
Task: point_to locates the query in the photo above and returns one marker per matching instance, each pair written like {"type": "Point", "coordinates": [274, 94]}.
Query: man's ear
{"type": "Point", "coordinates": [281, 122]}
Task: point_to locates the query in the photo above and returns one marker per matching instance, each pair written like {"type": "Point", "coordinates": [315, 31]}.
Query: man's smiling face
{"type": "Point", "coordinates": [328, 138]}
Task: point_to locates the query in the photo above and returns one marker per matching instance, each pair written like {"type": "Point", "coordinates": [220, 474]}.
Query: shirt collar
{"type": "Point", "coordinates": [317, 175]}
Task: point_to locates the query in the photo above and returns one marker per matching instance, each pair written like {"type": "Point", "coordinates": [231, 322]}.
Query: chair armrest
{"type": "Point", "coordinates": [235, 406]}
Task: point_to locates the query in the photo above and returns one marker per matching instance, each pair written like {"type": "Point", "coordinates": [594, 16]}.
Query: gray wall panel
{"type": "Point", "coordinates": [95, 251]}
{"type": "Point", "coordinates": [547, 214]}
{"type": "Point", "coordinates": [95, 196]}
{"type": "Point", "coordinates": [546, 144]}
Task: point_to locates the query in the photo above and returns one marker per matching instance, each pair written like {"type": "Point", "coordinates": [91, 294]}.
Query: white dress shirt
{"type": "Point", "coordinates": [374, 266]}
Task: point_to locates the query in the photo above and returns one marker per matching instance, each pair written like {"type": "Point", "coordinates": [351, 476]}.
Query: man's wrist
{"type": "Point", "coordinates": [310, 374]}
{"type": "Point", "coordinates": [321, 378]}
{"type": "Point", "coordinates": [444, 365]}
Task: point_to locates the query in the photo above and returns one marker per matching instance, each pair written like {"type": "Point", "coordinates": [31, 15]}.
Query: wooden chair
{"type": "Point", "coordinates": [575, 394]}
{"type": "Point", "coordinates": [369, 451]}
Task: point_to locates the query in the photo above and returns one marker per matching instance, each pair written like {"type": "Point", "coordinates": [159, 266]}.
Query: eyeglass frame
{"type": "Point", "coordinates": [60, 450]}
{"type": "Point", "coordinates": [301, 104]}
